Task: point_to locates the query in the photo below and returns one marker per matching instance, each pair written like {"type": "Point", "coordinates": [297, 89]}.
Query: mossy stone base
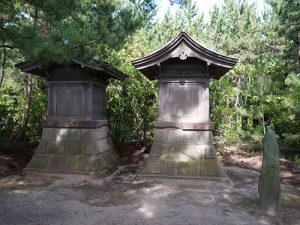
{"type": "Point", "coordinates": [75, 150]}
{"type": "Point", "coordinates": [177, 152]}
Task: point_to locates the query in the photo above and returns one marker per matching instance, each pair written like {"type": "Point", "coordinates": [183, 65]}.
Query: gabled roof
{"type": "Point", "coordinates": [183, 46]}
{"type": "Point", "coordinates": [37, 68]}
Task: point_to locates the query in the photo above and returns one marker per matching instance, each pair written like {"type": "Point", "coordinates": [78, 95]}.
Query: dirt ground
{"type": "Point", "coordinates": [123, 198]}
{"type": "Point", "coordinates": [289, 174]}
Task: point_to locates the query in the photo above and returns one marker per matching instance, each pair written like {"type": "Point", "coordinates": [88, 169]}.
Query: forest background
{"type": "Point", "coordinates": [263, 88]}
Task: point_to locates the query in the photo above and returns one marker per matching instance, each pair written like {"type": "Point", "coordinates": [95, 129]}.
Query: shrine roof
{"type": "Point", "coordinates": [38, 68]}
{"type": "Point", "coordinates": [183, 47]}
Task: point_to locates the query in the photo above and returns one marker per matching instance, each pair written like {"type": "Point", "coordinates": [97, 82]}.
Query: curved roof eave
{"type": "Point", "coordinates": [201, 51]}
{"type": "Point", "coordinates": [36, 69]}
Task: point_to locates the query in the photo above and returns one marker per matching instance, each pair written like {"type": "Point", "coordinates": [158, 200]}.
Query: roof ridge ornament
{"type": "Point", "coordinates": [183, 56]}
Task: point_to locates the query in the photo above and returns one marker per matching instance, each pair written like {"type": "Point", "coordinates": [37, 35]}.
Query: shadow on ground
{"type": "Point", "coordinates": [123, 199]}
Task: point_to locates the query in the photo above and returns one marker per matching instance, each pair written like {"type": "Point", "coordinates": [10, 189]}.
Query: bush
{"type": "Point", "coordinates": [132, 110]}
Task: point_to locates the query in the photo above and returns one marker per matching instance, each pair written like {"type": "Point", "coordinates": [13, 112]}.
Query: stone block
{"type": "Point", "coordinates": [76, 150]}
{"type": "Point", "coordinates": [102, 132]}
{"type": "Point", "coordinates": [38, 161]}
{"type": "Point", "coordinates": [106, 161]}
{"type": "Point", "coordinates": [70, 162]}
{"type": "Point", "coordinates": [42, 148]}
{"type": "Point", "coordinates": [189, 136]}
{"type": "Point", "coordinates": [168, 148]}
{"type": "Point", "coordinates": [155, 150]}
{"type": "Point", "coordinates": [171, 167]}
{"type": "Point", "coordinates": [205, 137]}
{"type": "Point", "coordinates": [181, 136]}
{"type": "Point", "coordinates": [200, 149]}
{"type": "Point", "coordinates": [55, 147]}
{"type": "Point", "coordinates": [155, 165]}
{"type": "Point", "coordinates": [86, 163]}
{"type": "Point", "coordinates": [59, 134]}
{"type": "Point", "coordinates": [66, 134]}
{"type": "Point", "coordinates": [160, 135]}
{"type": "Point", "coordinates": [74, 147]}
{"type": "Point", "coordinates": [109, 159]}
{"type": "Point", "coordinates": [187, 149]}
{"type": "Point", "coordinates": [210, 152]}
{"type": "Point", "coordinates": [47, 133]}
{"type": "Point", "coordinates": [162, 149]}
{"type": "Point", "coordinates": [101, 164]}
{"type": "Point", "coordinates": [210, 167]}
{"type": "Point", "coordinates": [88, 134]}
{"type": "Point", "coordinates": [182, 153]}
{"type": "Point", "coordinates": [105, 144]}
{"type": "Point", "coordinates": [194, 151]}
{"type": "Point", "coordinates": [73, 134]}
{"type": "Point", "coordinates": [188, 168]}
{"type": "Point", "coordinates": [56, 162]}
{"type": "Point", "coordinates": [91, 148]}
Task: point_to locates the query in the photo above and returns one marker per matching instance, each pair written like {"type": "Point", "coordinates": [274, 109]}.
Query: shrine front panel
{"type": "Point", "coordinates": [183, 101]}
{"type": "Point", "coordinates": [69, 100]}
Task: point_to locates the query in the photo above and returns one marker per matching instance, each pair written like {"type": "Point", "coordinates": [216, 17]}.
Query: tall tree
{"type": "Point", "coordinates": [286, 16]}
{"type": "Point", "coordinates": [60, 30]}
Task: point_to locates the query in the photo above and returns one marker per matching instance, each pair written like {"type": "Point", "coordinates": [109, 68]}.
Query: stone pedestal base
{"type": "Point", "coordinates": [75, 150]}
{"type": "Point", "coordinates": [178, 152]}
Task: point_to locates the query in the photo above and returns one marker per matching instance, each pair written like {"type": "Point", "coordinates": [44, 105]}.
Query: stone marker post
{"type": "Point", "coordinates": [183, 141]}
{"type": "Point", "coordinates": [269, 180]}
{"type": "Point", "coordinates": [75, 134]}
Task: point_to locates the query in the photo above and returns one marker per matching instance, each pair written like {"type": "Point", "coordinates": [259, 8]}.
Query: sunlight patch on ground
{"type": "Point", "coordinates": [20, 192]}
{"type": "Point", "coordinates": [264, 222]}
{"type": "Point", "coordinates": [146, 210]}
{"type": "Point", "coordinates": [158, 191]}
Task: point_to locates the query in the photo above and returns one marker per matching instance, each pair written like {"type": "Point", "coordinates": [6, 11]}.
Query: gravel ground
{"type": "Point", "coordinates": [120, 199]}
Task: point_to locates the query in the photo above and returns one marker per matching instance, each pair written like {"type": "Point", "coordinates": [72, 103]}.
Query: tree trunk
{"type": "Point", "coordinates": [3, 62]}
{"type": "Point", "coordinates": [261, 102]}
{"type": "Point", "coordinates": [298, 52]}
{"type": "Point", "coordinates": [27, 103]}
{"type": "Point", "coordinates": [237, 102]}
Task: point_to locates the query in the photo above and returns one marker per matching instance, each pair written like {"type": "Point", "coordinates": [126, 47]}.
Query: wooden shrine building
{"type": "Point", "coordinates": [75, 134]}
{"type": "Point", "coordinates": [183, 142]}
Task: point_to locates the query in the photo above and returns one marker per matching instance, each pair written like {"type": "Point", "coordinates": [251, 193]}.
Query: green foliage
{"type": "Point", "coordinates": [235, 30]}
{"type": "Point", "coordinates": [12, 109]}
{"type": "Point", "coordinates": [286, 16]}
{"type": "Point", "coordinates": [58, 31]}
{"type": "Point", "coordinates": [37, 111]}
{"type": "Point", "coordinates": [291, 135]}
{"type": "Point", "coordinates": [293, 82]}
{"type": "Point", "coordinates": [297, 160]}
{"type": "Point", "coordinates": [132, 104]}
{"type": "Point", "coordinates": [132, 109]}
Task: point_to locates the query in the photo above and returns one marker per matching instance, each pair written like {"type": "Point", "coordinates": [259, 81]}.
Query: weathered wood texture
{"type": "Point", "coordinates": [183, 96]}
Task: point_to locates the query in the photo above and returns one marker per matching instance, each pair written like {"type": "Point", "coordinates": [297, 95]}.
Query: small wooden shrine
{"type": "Point", "coordinates": [183, 142]}
{"type": "Point", "coordinates": [75, 134]}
